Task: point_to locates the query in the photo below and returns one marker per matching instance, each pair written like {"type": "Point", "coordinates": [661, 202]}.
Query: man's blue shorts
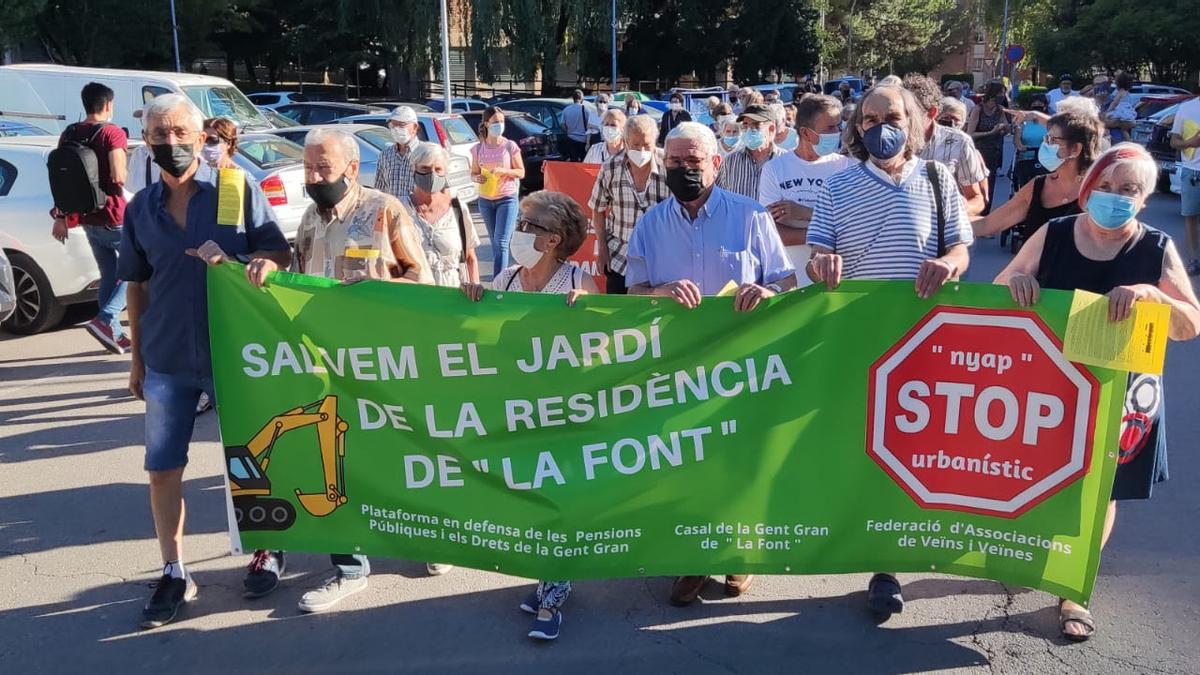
{"type": "Point", "coordinates": [1190, 204]}
{"type": "Point", "coordinates": [170, 417]}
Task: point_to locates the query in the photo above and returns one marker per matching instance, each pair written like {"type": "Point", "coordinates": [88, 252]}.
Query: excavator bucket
{"type": "Point", "coordinates": [317, 503]}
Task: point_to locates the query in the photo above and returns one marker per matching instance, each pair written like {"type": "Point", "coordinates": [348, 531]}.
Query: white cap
{"type": "Point", "coordinates": [404, 115]}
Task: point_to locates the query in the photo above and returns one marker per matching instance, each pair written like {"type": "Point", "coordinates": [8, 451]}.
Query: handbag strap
{"type": "Point", "coordinates": [935, 181]}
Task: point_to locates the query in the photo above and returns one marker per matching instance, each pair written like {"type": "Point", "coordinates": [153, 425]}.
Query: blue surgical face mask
{"type": "Point", "coordinates": [1110, 211]}
{"type": "Point", "coordinates": [1047, 156]}
{"type": "Point", "coordinates": [828, 144]}
{"type": "Point", "coordinates": [884, 141]}
{"type": "Point", "coordinates": [730, 141]}
{"type": "Point", "coordinates": [753, 138]}
{"type": "Point", "coordinates": [496, 129]}
{"type": "Point", "coordinates": [792, 140]}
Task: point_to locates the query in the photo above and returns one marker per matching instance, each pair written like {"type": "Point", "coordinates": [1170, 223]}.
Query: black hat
{"type": "Point", "coordinates": [756, 113]}
{"type": "Point", "coordinates": [1066, 77]}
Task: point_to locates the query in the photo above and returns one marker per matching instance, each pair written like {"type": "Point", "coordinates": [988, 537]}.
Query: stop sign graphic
{"type": "Point", "coordinates": [977, 410]}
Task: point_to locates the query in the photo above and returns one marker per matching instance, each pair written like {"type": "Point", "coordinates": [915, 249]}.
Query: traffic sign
{"type": "Point", "coordinates": [1014, 53]}
{"type": "Point", "coordinates": [977, 410]}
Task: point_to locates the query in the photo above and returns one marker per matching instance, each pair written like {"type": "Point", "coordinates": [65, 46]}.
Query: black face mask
{"type": "Point", "coordinates": [430, 182]}
{"type": "Point", "coordinates": [174, 159]}
{"type": "Point", "coordinates": [327, 195]}
{"type": "Point", "coordinates": [686, 184]}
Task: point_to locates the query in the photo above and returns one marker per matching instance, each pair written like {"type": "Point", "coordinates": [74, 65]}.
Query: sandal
{"type": "Point", "coordinates": [1080, 616]}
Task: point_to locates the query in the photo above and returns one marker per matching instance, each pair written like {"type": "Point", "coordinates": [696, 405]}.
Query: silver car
{"type": "Point", "coordinates": [277, 165]}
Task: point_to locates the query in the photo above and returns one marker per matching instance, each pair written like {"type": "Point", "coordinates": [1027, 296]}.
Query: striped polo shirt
{"type": "Point", "coordinates": [883, 230]}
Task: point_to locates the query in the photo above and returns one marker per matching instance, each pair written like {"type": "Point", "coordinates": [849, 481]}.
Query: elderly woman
{"type": "Point", "coordinates": [551, 229]}
{"type": "Point", "coordinates": [1107, 250]}
{"type": "Point", "coordinates": [1071, 144]}
{"type": "Point", "coordinates": [612, 127]}
{"type": "Point", "coordinates": [952, 113]}
{"type": "Point", "coordinates": [449, 242]}
{"type": "Point", "coordinates": [220, 142]}
{"type": "Point", "coordinates": [729, 131]}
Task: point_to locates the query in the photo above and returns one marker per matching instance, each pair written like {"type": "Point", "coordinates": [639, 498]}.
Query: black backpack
{"type": "Point", "coordinates": [75, 174]}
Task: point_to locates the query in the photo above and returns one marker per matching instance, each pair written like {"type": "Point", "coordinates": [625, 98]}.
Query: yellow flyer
{"type": "Point", "coordinates": [491, 183]}
{"type": "Point", "coordinates": [1137, 344]}
{"type": "Point", "coordinates": [231, 196]}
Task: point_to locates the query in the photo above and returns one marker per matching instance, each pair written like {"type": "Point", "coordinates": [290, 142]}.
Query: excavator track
{"type": "Point", "coordinates": [258, 513]}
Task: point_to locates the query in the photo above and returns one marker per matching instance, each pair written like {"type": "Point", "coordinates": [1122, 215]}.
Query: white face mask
{"type": "Point", "coordinates": [522, 249]}
{"type": "Point", "coordinates": [212, 154]}
{"type": "Point", "coordinates": [400, 135]}
{"type": "Point", "coordinates": [639, 157]}
{"type": "Point", "coordinates": [610, 134]}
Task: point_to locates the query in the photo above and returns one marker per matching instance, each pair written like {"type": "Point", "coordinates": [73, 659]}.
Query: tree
{"type": "Point", "coordinates": [776, 37]}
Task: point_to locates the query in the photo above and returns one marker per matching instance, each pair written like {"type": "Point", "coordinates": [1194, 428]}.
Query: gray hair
{"type": "Point", "coordinates": [613, 115]}
{"type": "Point", "coordinates": [779, 112]}
{"type": "Point", "coordinates": [1082, 104]}
{"type": "Point", "coordinates": [694, 131]}
{"type": "Point", "coordinates": [725, 120]}
{"type": "Point", "coordinates": [160, 106]}
{"type": "Point", "coordinates": [428, 153]}
{"type": "Point", "coordinates": [890, 81]}
{"type": "Point", "coordinates": [643, 124]}
{"type": "Point", "coordinates": [346, 139]}
{"type": "Point", "coordinates": [915, 132]}
{"type": "Point", "coordinates": [951, 104]}
{"type": "Point", "coordinates": [1131, 155]}
{"type": "Point", "coordinates": [567, 219]}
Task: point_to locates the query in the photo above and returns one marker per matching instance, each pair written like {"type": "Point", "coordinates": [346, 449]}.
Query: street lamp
{"type": "Point", "coordinates": [614, 48]}
{"type": "Point", "coordinates": [446, 59]}
{"type": "Point", "coordinates": [175, 33]}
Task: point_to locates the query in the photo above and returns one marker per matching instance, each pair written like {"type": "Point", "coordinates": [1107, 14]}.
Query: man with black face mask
{"type": "Point", "coordinates": [170, 233]}
{"type": "Point", "coordinates": [693, 244]}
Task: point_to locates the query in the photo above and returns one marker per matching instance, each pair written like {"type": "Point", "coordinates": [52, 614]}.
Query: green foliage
{"type": "Point", "coordinates": [1026, 94]}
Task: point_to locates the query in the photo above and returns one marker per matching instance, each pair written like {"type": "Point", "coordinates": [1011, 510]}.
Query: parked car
{"type": "Point", "coordinates": [547, 111]}
{"type": "Point", "coordinates": [277, 165]}
{"type": "Point", "coordinates": [451, 131]}
{"type": "Point", "coordinates": [1150, 105]}
{"type": "Point", "coordinates": [325, 112]}
{"type": "Point", "coordinates": [1154, 132]}
{"type": "Point", "coordinates": [537, 143]}
{"type": "Point", "coordinates": [8, 293]}
{"type": "Point", "coordinates": [1141, 90]}
{"type": "Point", "coordinates": [391, 105]}
{"type": "Point", "coordinates": [456, 104]}
{"type": "Point", "coordinates": [373, 140]}
{"type": "Point", "coordinates": [271, 99]}
{"type": "Point", "coordinates": [12, 128]}
{"type": "Point", "coordinates": [277, 121]}
{"type": "Point", "coordinates": [47, 276]}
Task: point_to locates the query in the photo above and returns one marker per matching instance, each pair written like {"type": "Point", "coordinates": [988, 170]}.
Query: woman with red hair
{"type": "Point", "coordinates": [1107, 250]}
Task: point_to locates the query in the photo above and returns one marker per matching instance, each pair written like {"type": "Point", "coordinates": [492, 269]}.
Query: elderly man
{"type": "Point", "coordinates": [876, 220]}
{"type": "Point", "coordinates": [170, 231]}
{"type": "Point", "coordinates": [950, 146]}
{"type": "Point", "coordinates": [394, 172]}
{"type": "Point", "coordinates": [349, 233]}
{"type": "Point", "coordinates": [1062, 92]}
{"type": "Point", "coordinates": [694, 243]}
{"type": "Point", "coordinates": [741, 170]}
{"type": "Point", "coordinates": [576, 121]}
{"type": "Point", "coordinates": [954, 89]}
{"type": "Point", "coordinates": [629, 183]}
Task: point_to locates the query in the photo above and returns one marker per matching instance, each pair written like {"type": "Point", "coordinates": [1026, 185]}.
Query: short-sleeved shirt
{"type": "Point", "coordinates": [498, 157]}
{"type": "Point", "coordinates": [1055, 97]}
{"type": "Point", "coordinates": [956, 150]}
{"type": "Point", "coordinates": [443, 241]}
{"type": "Point", "coordinates": [740, 172]}
{"type": "Point", "coordinates": [599, 153]}
{"type": "Point", "coordinates": [173, 327]}
{"type": "Point", "coordinates": [576, 120]}
{"type": "Point", "coordinates": [110, 137]}
{"type": "Point", "coordinates": [355, 240]}
{"type": "Point", "coordinates": [883, 230]}
{"type": "Point", "coordinates": [798, 180]}
{"type": "Point", "coordinates": [615, 193]}
{"type": "Point", "coordinates": [733, 238]}
{"type": "Point", "coordinates": [394, 172]}
{"type": "Point", "coordinates": [1188, 112]}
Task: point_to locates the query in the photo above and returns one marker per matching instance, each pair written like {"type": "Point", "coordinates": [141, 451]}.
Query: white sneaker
{"type": "Point", "coordinates": [334, 590]}
{"type": "Point", "coordinates": [437, 569]}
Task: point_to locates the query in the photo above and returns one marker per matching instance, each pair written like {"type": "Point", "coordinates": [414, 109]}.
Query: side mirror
{"type": "Point", "coordinates": [137, 114]}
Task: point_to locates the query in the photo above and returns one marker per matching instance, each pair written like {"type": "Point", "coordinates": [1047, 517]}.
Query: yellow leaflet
{"type": "Point", "coordinates": [728, 289]}
{"type": "Point", "coordinates": [491, 183]}
{"type": "Point", "coordinates": [362, 253]}
{"type": "Point", "coordinates": [1137, 344]}
{"type": "Point", "coordinates": [231, 195]}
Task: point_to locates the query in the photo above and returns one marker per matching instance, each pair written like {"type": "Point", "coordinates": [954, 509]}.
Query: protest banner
{"type": "Point", "coordinates": [576, 180]}
{"type": "Point", "coordinates": [853, 430]}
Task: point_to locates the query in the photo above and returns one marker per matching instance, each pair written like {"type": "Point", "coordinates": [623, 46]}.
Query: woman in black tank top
{"type": "Point", "coordinates": [1106, 250]}
{"type": "Point", "coordinates": [1039, 214]}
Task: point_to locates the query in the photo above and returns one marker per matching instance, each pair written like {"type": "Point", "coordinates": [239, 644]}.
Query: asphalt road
{"type": "Point", "coordinates": [77, 553]}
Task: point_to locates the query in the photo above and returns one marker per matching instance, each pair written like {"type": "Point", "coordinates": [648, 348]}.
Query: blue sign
{"type": "Point", "coordinates": [1014, 53]}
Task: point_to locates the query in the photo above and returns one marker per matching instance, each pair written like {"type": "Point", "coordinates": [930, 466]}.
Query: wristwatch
{"type": "Point", "coordinates": [774, 288]}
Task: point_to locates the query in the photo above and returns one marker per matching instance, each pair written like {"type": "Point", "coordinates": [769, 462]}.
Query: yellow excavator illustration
{"type": "Point", "coordinates": [247, 465]}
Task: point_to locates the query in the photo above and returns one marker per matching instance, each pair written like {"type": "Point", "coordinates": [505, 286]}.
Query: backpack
{"type": "Point", "coordinates": [75, 174]}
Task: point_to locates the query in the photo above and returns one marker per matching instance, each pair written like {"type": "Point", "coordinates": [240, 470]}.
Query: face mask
{"type": "Point", "coordinates": [675, 107]}
{"type": "Point", "coordinates": [327, 195]}
{"type": "Point", "coordinates": [884, 141]}
{"type": "Point", "coordinates": [212, 153]}
{"type": "Point", "coordinates": [686, 184]}
{"type": "Point", "coordinates": [638, 157]}
{"type": "Point", "coordinates": [730, 141]}
{"type": "Point", "coordinates": [430, 182]}
{"type": "Point", "coordinates": [753, 139]}
{"type": "Point", "coordinates": [1110, 211]}
{"type": "Point", "coordinates": [792, 140]}
{"type": "Point", "coordinates": [1048, 157]}
{"type": "Point", "coordinates": [496, 129]}
{"type": "Point", "coordinates": [610, 134]}
{"type": "Point", "coordinates": [174, 159]}
{"type": "Point", "coordinates": [522, 248]}
{"type": "Point", "coordinates": [828, 144]}
{"type": "Point", "coordinates": [400, 135]}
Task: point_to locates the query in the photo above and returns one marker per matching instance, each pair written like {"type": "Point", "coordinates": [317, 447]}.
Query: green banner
{"type": "Point", "coordinates": [855, 430]}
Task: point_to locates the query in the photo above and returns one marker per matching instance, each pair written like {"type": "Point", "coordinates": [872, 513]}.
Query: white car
{"type": "Point", "coordinates": [47, 276]}
{"type": "Point", "coordinates": [273, 99]}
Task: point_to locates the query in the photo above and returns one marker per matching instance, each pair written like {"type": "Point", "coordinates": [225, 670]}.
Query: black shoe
{"type": "Point", "coordinates": [883, 595]}
{"type": "Point", "coordinates": [262, 577]}
{"type": "Point", "coordinates": [169, 594]}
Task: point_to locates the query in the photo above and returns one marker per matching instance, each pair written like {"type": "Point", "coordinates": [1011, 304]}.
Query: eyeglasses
{"type": "Point", "coordinates": [529, 227]}
{"type": "Point", "coordinates": [182, 135]}
{"type": "Point", "coordinates": [689, 162]}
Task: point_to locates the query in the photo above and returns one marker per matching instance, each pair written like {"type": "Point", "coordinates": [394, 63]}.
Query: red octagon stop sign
{"type": "Point", "coordinates": [977, 410]}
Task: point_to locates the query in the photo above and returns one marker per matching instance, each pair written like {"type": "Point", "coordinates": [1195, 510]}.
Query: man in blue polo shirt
{"type": "Point", "coordinates": [170, 234]}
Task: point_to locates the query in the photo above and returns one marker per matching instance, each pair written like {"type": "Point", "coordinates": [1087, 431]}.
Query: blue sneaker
{"type": "Point", "coordinates": [531, 604]}
{"type": "Point", "coordinates": [546, 629]}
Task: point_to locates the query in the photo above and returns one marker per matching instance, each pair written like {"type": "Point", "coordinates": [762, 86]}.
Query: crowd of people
{"type": "Point", "coordinates": [895, 183]}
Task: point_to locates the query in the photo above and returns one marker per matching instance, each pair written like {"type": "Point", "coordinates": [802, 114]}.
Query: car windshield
{"type": "Point", "coordinates": [458, 130]}
{"type": "Point", "coordinates": [268, 153]}
{"type": "Point", "coordinates": [530, 126]}
{"type": "Point", "coordinates": [18, 129]}
{"type": "Point", "coordinates": [227, 102]}
{"type": "Point", "coordinates": [380, 139]}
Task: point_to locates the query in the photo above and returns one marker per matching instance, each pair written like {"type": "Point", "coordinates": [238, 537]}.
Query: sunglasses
{"type": "Point", "coordinates": [528, 226]}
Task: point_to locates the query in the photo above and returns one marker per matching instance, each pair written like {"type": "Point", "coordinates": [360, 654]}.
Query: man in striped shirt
{"type": "Point", "coordinates": [742, 168]}
{"type": "Point", "coordinates": [879, 220]}
{"type": "Point", "coordinates": [394, 172]}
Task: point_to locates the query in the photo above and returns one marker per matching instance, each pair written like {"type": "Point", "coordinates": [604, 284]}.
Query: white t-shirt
{"type": "Point", "coordinates": [1055, 96]}
{"type": "Point", "coordinates": [798, 180]}
{"type": "Point", "coordinates": [1188, 111]}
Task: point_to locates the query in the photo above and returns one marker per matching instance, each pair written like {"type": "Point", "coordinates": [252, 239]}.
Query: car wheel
{"type": "Point", "coordinates": [37, 308]}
